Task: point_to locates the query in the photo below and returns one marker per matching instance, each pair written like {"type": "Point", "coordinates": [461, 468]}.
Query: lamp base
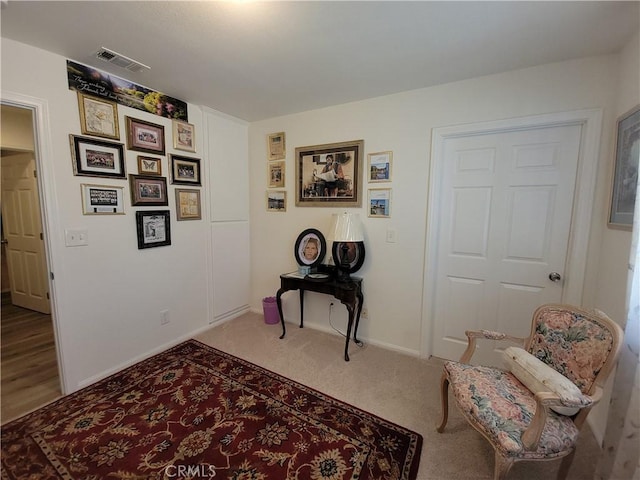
{"type": "Point", "coordinates": [343, 276]}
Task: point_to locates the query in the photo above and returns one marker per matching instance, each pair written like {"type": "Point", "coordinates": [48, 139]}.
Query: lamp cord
{"type": "Point", "coordinates": [358, 343]}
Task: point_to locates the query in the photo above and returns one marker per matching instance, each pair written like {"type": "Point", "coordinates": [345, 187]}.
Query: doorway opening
{"type": "Point", "coordinates": [30, 373]}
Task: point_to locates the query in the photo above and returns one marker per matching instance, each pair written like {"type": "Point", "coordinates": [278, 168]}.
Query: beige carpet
{"type": "Point", "coordinates": [400, 388]}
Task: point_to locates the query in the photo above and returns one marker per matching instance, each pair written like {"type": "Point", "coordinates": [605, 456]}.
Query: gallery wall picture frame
{"type": "Point", "coordinates": [380, 202]}
{"type": "Point", "coordinates": [276, 174]}
{"type": "Point", "coordinates": [149, 165]}
{"type": "Point", "coordinates": [153, 228]}
{"type": "Point", "coordinates": [188, 205]}
{"type": "Point", "coordinates": [143, 136]}
{"type": "Point", "coordinates": [97, 158]}
{"type": "Point", "coordinates": [625, 175]}
{"type": "Point", "coordinates": [310, 247]}
{"type": "Point", "coordinates": [380, 166]}
{"type": "Point", "coordinates": [276, 201]}
{"type": "Point", "coordinates": [148, 191]}
{"type": "Point", "coordinates": [276, 146]}
{"type": "Point", "coordinates": [98, 117]}
{"type": "Point", "coordinates": [102, 199]}
{"type": "Point", "coordinates": [184, 136]}
{"type": "Point", "coordinates": [185, 170]}
{"type": "Point", "coordinates": [329, 175]}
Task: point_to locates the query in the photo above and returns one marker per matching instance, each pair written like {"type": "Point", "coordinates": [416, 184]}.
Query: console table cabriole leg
{"type": "Point", "coordinates": [301, 308]}
{"type": "Point", "coordinates": [349, 325]}
{"type": "Point", "coordinates": [279, 303]}
{"type": "Point", "coordinates": [355, 330]}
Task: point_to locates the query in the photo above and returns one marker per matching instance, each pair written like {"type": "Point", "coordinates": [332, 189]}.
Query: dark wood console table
{"type": "Point", "coordinates": [349, 293]}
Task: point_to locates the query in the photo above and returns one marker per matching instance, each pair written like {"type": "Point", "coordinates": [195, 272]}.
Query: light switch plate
{"type": "Point", "coordinates": [76, 237]}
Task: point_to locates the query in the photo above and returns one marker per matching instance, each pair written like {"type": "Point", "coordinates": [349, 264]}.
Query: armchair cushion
{"type": "Point", "coordinates": [537, 376]}
{"type": "Point", "coordinates": [500, 407]}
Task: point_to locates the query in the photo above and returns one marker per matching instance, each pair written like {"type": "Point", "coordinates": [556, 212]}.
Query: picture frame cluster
{"type": "Point", "coordinates": [99, 152]}
{"type": "Point", "coordinates": [276, 173]}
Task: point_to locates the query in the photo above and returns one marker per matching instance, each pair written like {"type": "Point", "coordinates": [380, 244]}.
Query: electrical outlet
{"type": "Point", "coordinates": [164, 317]}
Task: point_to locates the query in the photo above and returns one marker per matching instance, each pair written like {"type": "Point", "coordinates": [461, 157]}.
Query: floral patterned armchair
{"type": "Point", "coordinates": [518, 412]}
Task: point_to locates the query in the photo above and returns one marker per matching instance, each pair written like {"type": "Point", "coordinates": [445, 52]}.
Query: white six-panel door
{"type": "Point", "coordinates": [503, 228]}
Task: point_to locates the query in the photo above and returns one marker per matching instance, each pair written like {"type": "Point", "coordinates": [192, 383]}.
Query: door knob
{"type": "Point", "coordinates": [555, 277]}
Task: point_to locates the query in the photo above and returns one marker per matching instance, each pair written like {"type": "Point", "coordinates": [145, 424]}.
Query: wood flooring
{"type": "Point", "coordinates": [28, 363]}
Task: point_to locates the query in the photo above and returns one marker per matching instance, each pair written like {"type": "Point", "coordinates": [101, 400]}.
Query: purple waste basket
{"type": "Point", "coordinates": [270, 310]}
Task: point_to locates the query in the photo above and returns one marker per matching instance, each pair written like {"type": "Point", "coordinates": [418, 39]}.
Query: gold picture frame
{"type": "Point", "coordinates": [276, 201]}
{"type": "Point", "coordinates": [149, 165]}
{"type": "Point", "coordinates": [184, 136]}
{"type": "Point", "coordinates": [188, 205]}
{"type": "Point", "coordinates": [276, 172]}
{"type": "Point", "coordinates": [98, 117]}
{"type": "Point", "coordinates": [276, 146]}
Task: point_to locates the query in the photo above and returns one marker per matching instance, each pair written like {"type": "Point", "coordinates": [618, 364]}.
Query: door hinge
{"type": "Point", "coordinates": [51, 275]}
{"type": "Point", "coordinates": [48, 298]}
{"type": "Point", "coordinates": [41, 236]}
{"type": "Point", "coordinates": [35, 174]}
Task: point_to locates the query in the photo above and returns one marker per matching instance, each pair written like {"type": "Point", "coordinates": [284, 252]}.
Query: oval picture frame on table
{"type": "Point", "coordinates": [310, 248]}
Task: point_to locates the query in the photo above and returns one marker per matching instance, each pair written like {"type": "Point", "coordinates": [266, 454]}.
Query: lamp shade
{"type": "Point", "coordinates": [347, 228]}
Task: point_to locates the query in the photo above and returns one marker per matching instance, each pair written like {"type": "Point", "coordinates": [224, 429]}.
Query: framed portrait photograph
{"type": "Point", "coordinates": [145, 136]}
{"type": "Point", "coordinates": [310, 247]}
{"type": "Point", "coordinates": [184, 136]}
{"type": "Point", "coordinates": [188, 204]}
{"type": "Point", "coordinates": [329, 175]}
{"type": "Point", "coordinates": [379, 202]}
{"type": "Point", "coordinates": [98, 117]}
{"type": "Point", "coordinates": [276, 146]}
{"type": "Point", "coordinates": [276, 174]}
{"type": "Point", "coordinates": [148, 191]}
{"type": "Point", "coordinates": [102, 199]}
{"type": "Point", "coordinates": [149, 165]}
{"type": "Point", "coordinates": [97, 158]}
{"type": "Point", "coordinates": [185, 170]}
{"type": "Point", "coordinates": [276, 201]}
{"type": "Point", "coordinates": [625, 176]}
{"type": "Point", "coordinates": [153, 228]}
{"type": "Point", "coordinates": [380, 166]}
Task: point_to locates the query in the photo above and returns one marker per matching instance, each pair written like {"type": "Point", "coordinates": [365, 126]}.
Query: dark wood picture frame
{"type": "Point", "coordinates": [185, 170]}
{"type": "Point", "coordinates": [148, 191]}
{"type": "Point", "coordinates": [143, 136]}
{"type": "Point", "coordinates": [153, 228]}
{"type": "Point", "coordinates": [97, 158]}
{"type": "Point", "coordinates": [329, 175]}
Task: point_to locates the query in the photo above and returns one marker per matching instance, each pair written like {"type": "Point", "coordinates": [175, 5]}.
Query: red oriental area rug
{"type": "Point", "coordinates": [196, 412]}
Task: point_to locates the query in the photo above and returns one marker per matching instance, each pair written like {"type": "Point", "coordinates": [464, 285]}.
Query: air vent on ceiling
{"type": "Point", "coordinates": [121, 60]}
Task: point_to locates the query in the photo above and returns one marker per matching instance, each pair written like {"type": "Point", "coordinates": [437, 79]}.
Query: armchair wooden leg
{"type": "Point", "coordinates": [444, 398]}
{"type": "Point", "coordinates": [502, 466]}
{"type": "Point", "coordinates": [566, 465]}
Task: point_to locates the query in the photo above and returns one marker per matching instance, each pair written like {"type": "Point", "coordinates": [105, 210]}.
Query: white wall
{"type": "Point", "coordinates": [108, 294]}
{"type": "Point", "coordinates": [402, 123]}
{"type": "Point", "coordinates": [611, 272]}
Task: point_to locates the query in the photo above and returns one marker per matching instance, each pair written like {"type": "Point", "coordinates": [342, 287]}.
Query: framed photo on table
{"type": "Point", "coordinates": [329, 175]}
{"type": "Point", "coordinates": [188, 204]}
{"type": "Point", "coordinates": [184, 136]}
{"type": "Point", "coordinates": [97, 158]}
{"type": "Point", "coordinates": [310, 247]}
{"type": "Point", "coordinates": [102, 199]}
{"type": "Point", "coordinates": [625, 176]}
{"type": "Point", "coordinates": [148, 191]}
{"type": "Point", "coordinates": [145, 136]}
{"type": "Point", "coordinates": [153, 228]}
{"type": "Point", "coordinates": [98, 117]}
{"type": "Point", "coordinates": [185, 170]}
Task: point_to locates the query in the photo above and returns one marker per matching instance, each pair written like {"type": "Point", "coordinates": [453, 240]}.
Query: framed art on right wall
{"type": "Point", "coordinates": [625, 175]}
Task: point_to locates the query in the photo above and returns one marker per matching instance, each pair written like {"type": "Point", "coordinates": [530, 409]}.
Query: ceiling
{"type": "Point", "coordinates": [258, 60]}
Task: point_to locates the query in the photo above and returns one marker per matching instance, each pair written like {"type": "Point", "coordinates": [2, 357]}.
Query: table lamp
{"type": "Point", "coordinates": [347, 229]}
